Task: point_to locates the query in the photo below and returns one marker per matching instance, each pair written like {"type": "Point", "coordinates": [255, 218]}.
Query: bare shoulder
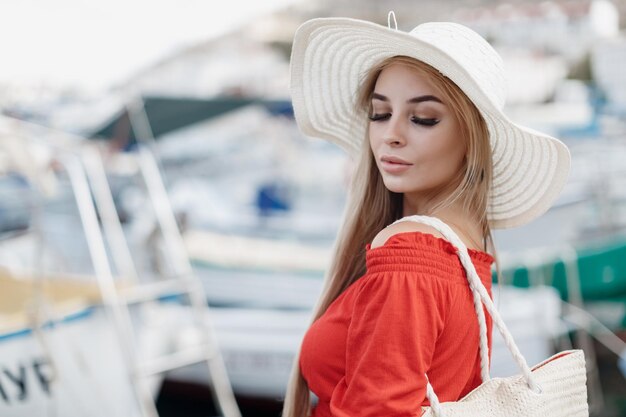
{"type": "Point", "coordinates": [402, 227]}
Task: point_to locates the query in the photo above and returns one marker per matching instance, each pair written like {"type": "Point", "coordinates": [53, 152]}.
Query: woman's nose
{"type": "Point", "coordinates": [394, 134]}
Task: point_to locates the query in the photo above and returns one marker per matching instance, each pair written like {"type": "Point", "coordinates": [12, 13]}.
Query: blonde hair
{"type": "Point", "coordinates": [371, 206]}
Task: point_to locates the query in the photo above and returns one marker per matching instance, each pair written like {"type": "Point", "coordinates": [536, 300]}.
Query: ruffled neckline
{"type": "Point", "coordinates": [431, 240]}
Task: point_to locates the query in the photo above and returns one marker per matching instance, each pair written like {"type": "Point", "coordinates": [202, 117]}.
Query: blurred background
{"type": "Point", "coordinates": [165, 227]}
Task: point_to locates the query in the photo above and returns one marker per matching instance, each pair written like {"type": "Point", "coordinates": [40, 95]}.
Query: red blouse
{"type": "Point", "coordinates": [411, 313]}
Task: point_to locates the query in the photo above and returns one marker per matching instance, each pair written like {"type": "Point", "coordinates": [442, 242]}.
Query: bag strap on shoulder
{"type": "Point", "coordinates": [481, 296]}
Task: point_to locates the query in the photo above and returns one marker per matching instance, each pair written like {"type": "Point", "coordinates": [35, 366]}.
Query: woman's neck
{"type": "Point", "coordinates": [457, 218]}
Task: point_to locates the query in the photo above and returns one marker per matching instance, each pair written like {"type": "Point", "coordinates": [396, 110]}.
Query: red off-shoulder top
{"type": "Point", "coordinates": [410, 314]}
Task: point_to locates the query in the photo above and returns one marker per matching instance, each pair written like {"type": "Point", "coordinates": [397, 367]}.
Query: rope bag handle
{"type": "Point", "coordinates": [481, 296]}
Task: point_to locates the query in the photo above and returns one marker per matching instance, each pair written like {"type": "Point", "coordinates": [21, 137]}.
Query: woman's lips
{"type": "Point", "coordinates": [393, 167]}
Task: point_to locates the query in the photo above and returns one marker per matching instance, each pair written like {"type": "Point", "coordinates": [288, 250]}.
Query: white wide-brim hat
{"type": "Point", "coordinates": [331, 55]}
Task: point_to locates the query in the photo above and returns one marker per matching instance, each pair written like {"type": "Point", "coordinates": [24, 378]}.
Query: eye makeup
{"type": "Point", "coordinates": [417, 120]}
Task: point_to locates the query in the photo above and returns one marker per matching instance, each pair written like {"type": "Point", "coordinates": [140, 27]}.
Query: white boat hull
{"type": "Point", "coordinates": [73, 367]}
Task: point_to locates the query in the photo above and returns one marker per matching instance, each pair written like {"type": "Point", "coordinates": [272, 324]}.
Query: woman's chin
{"type": "Point", "coordinates": [397, 186]}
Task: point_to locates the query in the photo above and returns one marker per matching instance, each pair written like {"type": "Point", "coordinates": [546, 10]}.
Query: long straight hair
{"type": "Point", "coordinates": [371, 206]}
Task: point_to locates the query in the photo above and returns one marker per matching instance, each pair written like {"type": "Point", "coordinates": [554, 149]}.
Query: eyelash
{"type": "Point", "coordinates": [416, 120]}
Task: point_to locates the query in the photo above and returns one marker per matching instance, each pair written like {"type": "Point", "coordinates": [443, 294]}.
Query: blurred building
{"type": "Point", "coordinates": [565, 28]}
{"type": "Point", "coordinates": [239, 63]}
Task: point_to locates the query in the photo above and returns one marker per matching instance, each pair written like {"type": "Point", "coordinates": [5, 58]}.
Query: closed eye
{"type": "Point", "coordinates": [425, 122]}
{"type": "Point", "coordinates": [377, 117]}
{"type": "Point", "coordinates": [416, 120]}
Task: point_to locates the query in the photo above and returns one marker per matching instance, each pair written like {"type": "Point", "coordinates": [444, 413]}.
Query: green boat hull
{"type": "Point", "coordinates": [601, 268]}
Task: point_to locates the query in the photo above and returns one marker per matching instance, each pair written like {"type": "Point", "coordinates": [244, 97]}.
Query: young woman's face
{"type": "Point", "coordinates": [410, 122]}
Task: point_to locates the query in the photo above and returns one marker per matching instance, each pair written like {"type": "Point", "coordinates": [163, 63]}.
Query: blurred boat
{"type": "Point", "coordinates": [599, 268]}
{"type": "Point", "coordinates": [124, 304]}
{"type": "Point", "coordinates": [59, 351]}
{"type": "Point", "coordinates": [258, 347]}
{"type": "Point", "coordinates": [252, 272]}
{"type": "Point", "coordinates": [14, 192]}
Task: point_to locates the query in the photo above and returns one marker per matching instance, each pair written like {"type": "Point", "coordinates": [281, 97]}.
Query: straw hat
{"type": "Point", "coordinates": [331, 55]}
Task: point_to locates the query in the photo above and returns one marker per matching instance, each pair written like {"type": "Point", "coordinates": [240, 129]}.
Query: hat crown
{"type": "Point", "coordinates": [471, 51]}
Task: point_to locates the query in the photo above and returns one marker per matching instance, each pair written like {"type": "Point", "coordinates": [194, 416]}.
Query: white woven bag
{"type": "Point", "coordinates": [555, 387]}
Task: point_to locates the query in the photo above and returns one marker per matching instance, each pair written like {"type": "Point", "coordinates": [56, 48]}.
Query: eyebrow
{"type": "Point", "coordinates": [418, 99]}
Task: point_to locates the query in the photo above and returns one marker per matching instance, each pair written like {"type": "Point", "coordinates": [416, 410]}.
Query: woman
{"type": "Point", "coordinates": [424, 120]}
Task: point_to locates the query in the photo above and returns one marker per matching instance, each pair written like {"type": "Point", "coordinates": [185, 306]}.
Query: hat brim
{"type": "Point", "coordinates": [329, 58]}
